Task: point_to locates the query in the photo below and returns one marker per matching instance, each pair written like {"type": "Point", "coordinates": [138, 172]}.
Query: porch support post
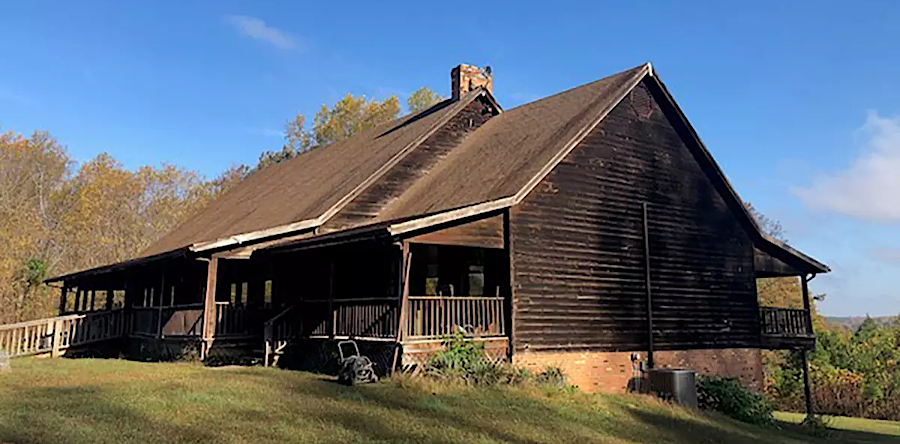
{"type": "Point", "coordinates": [63, 295]}
{"type": "Point", "coordinates": [93, 299]}
{"type": "Point", "coordinates": [209, 306]}
{"type": "Point", "coordinates": [332, 316]}
{"type": "Point", "coordinates": [804, 281]}
{"type": "Point", "coordinates": [78, 292]}
{"type": "Point", "coordinates": [405, 264]}
{"type": "Point", "coordinates": [806, 388]}
{"type": "Point", "coordinates": [110, 294]}
{"type": "Point", "coordinates": [510, 304]}
{"type": "Point", "coordinates": [162, 291]}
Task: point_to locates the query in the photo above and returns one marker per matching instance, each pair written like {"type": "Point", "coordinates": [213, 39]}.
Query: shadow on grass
{"type": "Point", "coordinates": [296, 407]}
{"type": "Point", "coordinates": [84, 415]}
{"type": "Point", "coordinates": [840, 435]}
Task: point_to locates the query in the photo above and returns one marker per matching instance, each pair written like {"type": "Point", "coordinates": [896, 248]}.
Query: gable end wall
{"type": "Point", "coordinates": [578, 246]}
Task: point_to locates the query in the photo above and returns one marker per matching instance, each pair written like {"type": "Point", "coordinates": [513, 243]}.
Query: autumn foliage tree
{"type": "Point", "coordinates": [57, 216]}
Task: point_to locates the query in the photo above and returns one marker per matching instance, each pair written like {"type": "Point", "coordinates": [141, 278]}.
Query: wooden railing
{"type": "Point", "coordinates": [234, 320]}
{"type": "Point", "coordinates": [785, 322]}
{"type": "Point", "coordinates": [187, 320]}
{"type": "Point", "coordinates": [53, 335]}
{"type": "Point", "coordinates": [277, 333]}
{"type": "Point", "coordinates": [355, 318]}
{"type": "Point", "coordinates": [434, 317]}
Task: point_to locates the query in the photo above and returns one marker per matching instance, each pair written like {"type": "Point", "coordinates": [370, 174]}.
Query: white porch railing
{"type": "Point", "coordinates": [435, 317]}
{"type": "Point", "coordinates": [53, 335]}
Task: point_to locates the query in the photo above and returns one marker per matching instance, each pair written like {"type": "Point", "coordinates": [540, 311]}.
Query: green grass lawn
{"type": "Point", "coordinates": [116, 401]}
{"type": "Point", "coordinates": [880, 428]}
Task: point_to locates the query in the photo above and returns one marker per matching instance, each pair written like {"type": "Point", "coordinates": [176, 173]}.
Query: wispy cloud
{"type": "Point", "coordinates": [884, 254]}
{"type": "Point", "coordinates": [258, 29]}
{"type": "Point", "coordinates": [869, 188]}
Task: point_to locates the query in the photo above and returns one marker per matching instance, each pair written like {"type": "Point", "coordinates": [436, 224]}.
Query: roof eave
{"type": "Point", "coordinates": [119, 265]}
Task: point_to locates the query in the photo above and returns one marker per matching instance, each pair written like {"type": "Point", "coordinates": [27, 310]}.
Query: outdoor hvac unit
{"type": "Point", "coordinates": [676, 385]}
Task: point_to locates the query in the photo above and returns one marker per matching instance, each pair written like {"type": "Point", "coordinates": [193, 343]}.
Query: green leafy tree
{"type": "Point", "coordinates": [422, 99]}
{"type": "Point", "coordinates": [351, 115]}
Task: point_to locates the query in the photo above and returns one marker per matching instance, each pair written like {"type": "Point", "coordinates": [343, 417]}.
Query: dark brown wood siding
{"type": "Point", "coordinates": [487, 233]}
{"type": "Point", "coordinates": [366, 207]}
{"type": "Point", "coordinates": [578, 246]}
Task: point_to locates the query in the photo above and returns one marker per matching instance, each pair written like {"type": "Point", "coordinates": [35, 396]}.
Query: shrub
{"type": "Point", "coordinates": [728, 396]}
{"type": "Point", "coordinates": [552, 376]}
{"type": "Point", "coordinates": [464, 360]}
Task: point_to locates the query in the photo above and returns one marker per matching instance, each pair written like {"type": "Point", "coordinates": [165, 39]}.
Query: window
{"type": "Point", "coordinates": [476, 280]}
{"type": "Point", "coordinates": [432, 282]}
{"type": "Point", "coordinates": [267, 293]}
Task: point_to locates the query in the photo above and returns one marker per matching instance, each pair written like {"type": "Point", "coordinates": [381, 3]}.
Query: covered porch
{"type": "Point", "coordinates": [406, 294]}
{"type": "Point", "coordinates": [179, 299]}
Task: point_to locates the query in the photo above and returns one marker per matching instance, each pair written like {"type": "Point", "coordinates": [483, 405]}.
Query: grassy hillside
{"type": "Point", "coordinates": [880, 428]}
{"type": "Point", "coordinates": [87, 401]}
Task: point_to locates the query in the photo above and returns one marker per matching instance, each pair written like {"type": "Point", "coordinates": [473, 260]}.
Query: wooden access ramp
{"type": "Point", "coordinates": [54, 335]}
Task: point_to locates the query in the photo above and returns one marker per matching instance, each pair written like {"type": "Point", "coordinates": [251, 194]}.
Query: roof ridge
{"type": "Point", "coordinates": [316, 222]}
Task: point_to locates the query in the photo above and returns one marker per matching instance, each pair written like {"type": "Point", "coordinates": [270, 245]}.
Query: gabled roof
{"type": "Point", "coordinates": [304, 192]}
{"type": "Point", "coordinates": [506, 156]}
{"type": "Point", "coordinates": [494, 167]}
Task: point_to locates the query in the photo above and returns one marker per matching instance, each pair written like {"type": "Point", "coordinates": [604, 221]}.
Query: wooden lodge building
{"type": "Point", "coordinates": [589, 230]}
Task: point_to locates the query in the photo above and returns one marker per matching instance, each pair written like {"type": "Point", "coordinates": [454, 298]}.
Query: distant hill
{"type": "Point", "coordinates": [853, 322]}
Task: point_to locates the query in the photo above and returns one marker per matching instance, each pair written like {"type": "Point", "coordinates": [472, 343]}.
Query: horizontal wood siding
{"type": "Point", "coordinates": [487, 233]}
{"type": "Point", "coordinates": [366, 207]}
{"type": "Point", "coordinates": [579, 252]}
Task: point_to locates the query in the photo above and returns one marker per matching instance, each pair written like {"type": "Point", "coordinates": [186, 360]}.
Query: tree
{"type": "Point", "coordinates": [297, 138]}
{"type": "Point", "coordinates": [32, 172]}
{"type": "Point", "coordinates": [771, 227]}
{"type": "Point", "coordinates": [351, 115]}
{"type": "Point", "coordinates": [347, 117]}
{"type": "Point", "coordinates": [422, 99]}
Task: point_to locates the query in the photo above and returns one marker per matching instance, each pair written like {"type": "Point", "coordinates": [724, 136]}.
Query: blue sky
{"type": "Point", "coordinates": [798, 101]}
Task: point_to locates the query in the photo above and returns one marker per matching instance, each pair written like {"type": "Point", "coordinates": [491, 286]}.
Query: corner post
{"type": "Point", "coordinates": [209, 306]}
{"type": "Point", "coordinates": [804, 281]}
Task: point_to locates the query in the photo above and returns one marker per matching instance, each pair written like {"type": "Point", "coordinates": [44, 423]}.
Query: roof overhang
{"type": "Point", "coordinates": [119, 266]}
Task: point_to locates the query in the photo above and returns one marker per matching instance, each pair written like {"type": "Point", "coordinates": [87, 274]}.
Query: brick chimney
{"type": "Point", "coordinates": [465, 78]}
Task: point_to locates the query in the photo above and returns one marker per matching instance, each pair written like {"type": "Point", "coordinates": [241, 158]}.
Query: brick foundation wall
{"type": "Point", "coordinates": [611, 372]}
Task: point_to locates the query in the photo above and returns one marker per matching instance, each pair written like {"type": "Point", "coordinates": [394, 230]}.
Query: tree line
{"type": "Point", "coordinates": [853, 372]}
{"type": "Point", "coordinates": [59, 216]}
